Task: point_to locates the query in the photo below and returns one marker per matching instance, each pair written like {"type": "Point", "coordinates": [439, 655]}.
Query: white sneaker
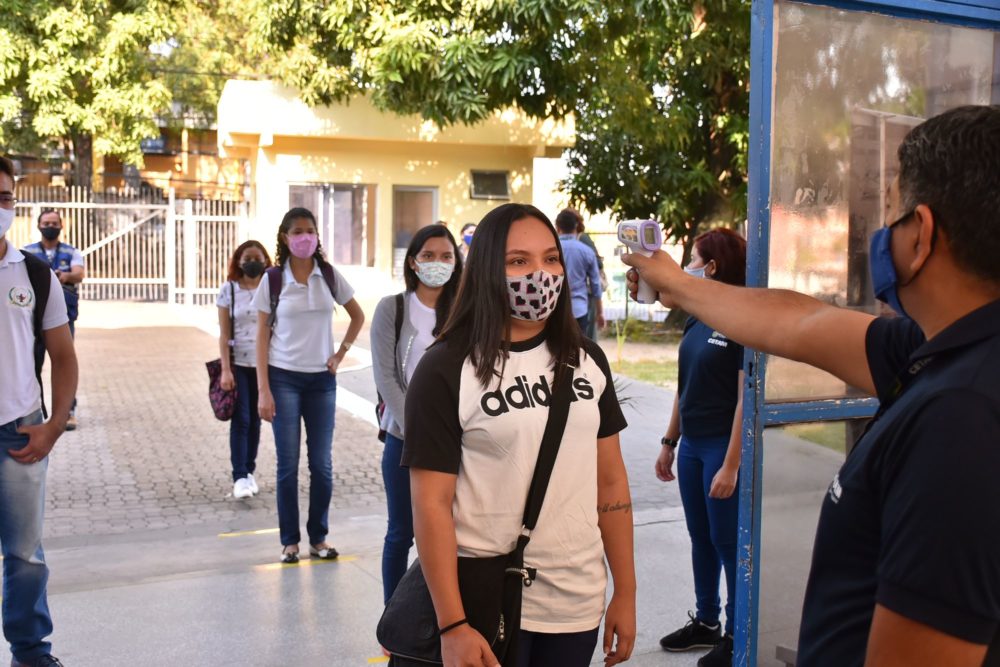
{"type": "Point", "coordinates": [242, 489]}
{"type": "Point", "coordinates": [254, 489]}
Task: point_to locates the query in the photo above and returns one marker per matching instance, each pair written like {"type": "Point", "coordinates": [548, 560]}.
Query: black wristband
{"type": "Point", "coordinates": [669, 442]}
{"type": "Point", "coordinates": [452, 626]}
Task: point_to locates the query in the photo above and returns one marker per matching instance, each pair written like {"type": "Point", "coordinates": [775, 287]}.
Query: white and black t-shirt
{"type": "Point", "coordinates": [490, 438]}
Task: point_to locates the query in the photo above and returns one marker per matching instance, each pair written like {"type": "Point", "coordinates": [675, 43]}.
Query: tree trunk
{"type": "Point", "coordinates": [83, 160]}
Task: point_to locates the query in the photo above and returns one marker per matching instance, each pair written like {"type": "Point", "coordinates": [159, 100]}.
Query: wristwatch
{"type": "Point", "coordinates": [669, 442]}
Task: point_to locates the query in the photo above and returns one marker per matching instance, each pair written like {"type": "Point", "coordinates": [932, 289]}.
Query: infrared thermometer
{"type": "Point", "coordinates": [643, 237]}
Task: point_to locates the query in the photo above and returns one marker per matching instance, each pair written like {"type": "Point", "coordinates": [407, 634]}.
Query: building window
{"type": "Point", "coordinates": [490, 185]}
{"type": "Point", "coordinates": [345, 214]}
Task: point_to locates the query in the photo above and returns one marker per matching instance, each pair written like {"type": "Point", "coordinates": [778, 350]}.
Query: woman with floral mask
{"type": "Point", "coordinates": [476, 409]}
{"type": "Point", "coordinates": [297, 373]}
{"type": "Point", "coordinates": [706, 422]}
{"type": "Point", "coordinates": [432, 271]}
{"type": "Point", "coordinates": [238, 351]}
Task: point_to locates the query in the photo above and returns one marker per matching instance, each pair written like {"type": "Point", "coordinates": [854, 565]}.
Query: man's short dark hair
{"type": "Point", "coordinates": [7, 167]}
{"type": "Point", "coordinates": [951, 163]}
{"type": "Point", "coordinates": [46, 211]}
{"type": "Point", "coordinates": [567, 221]}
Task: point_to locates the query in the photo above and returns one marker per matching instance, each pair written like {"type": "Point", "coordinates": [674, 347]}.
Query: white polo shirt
{"type": "Point", "coordinates": [20, 394]}
{"type": "Point", "coordinates": [302, 339]}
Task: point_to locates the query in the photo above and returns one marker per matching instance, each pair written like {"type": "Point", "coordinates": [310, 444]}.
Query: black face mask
{"type": "Point", "coordinates": [252, 268]}
{"type": "Point", "coordinates": [50, 233]}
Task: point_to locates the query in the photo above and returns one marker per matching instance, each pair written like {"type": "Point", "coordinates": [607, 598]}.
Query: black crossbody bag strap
{"type": "Point", "coordinates": [552, 437]}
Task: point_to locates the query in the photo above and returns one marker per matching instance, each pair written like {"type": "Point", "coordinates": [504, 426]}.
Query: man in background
{"type": "Point", "coordinates": [67, 263]}
{"type": "Point", "coordinates": [582, 271]}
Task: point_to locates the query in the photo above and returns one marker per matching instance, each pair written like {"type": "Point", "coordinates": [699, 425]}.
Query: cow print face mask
{"type": "Point", "coordinates": [534, 296]}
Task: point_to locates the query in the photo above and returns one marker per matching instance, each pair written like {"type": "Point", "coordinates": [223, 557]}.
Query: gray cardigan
{"type": "Point", "coordinates": [388, 364]}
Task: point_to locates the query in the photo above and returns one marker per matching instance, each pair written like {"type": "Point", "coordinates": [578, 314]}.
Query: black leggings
{"type": "Point", "coordinates": [566, 649]}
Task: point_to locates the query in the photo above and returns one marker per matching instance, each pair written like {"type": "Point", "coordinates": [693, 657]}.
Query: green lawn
{"type": "Point", "coordinates": [660, 373]}
{"type": "Point", "coordinates": [832, 435]}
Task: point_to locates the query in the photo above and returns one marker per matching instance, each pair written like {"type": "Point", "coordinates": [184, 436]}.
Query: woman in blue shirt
{"type": "Point", "coordinates": [704, 432]}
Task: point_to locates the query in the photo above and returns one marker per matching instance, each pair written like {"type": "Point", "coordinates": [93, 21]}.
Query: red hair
{"type": "Point", "coordinates": [729, 250]}
{"type": "Point", "coordinates": [235, 272]}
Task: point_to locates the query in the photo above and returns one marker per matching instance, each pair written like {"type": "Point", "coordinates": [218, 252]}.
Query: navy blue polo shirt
{"type": "Point", "coordinates": [912, 520]}
{"type": "Point", "coordinates": [707, 380]}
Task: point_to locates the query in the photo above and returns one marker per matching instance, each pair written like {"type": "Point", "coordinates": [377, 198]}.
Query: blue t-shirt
{"type": "Point", "coordinates": [582, 273]}
{"type": "Point", "coordinates": [708, 380]}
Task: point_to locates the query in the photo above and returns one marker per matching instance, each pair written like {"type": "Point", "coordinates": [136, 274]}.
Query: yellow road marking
{"type": "Point", "coordinates": [241, 533]}
{"type": "Point", "coordinates": [268, 567]}
{"type": "Point", "coordinates": [381, 658]}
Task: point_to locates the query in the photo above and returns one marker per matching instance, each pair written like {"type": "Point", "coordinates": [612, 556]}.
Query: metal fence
{"type": "Point", "coordinates": [140, 246]}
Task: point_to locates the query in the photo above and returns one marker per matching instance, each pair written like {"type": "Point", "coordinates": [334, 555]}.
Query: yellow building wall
{"type": "Point", "coordinates": [385, 164]}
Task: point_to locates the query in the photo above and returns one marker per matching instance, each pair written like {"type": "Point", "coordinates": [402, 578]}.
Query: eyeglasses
{"type": "Point", "coordinates": [8, 199]}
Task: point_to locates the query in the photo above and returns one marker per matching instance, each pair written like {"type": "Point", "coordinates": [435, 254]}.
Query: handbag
{"type": "Point", "coordinates": [223, 401]}
{"type": "Point", "coordinates": [491, 588]}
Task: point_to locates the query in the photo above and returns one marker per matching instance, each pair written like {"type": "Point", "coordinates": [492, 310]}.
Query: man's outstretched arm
{"type": "Point", "coordinates": [779, 322]}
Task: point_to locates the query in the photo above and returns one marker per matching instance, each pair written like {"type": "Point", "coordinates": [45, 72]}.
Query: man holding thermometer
{"type": "Point", "coordinates": [906, 564]}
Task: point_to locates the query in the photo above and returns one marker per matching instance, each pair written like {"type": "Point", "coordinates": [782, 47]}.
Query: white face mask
{"type": "Point", "coordinates": [697, 273]}
{"type": "Point", "coordinates": [534, 296]}
{"type": "Point", "coordinates": [6, 220]}
{"type": "Point", "coordinates": [434, 274]}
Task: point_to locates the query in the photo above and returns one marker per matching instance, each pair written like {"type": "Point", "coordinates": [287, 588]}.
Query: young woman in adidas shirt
{"type": "Point", "coordinates": [296, 374]}
{"type": "Point", "coordinates": [238, 351]}
{"type": "Point", "coordinates": [432, 270]}
{"type": "Point", "coordinates": [707, 422]}
{"type": "Point", "coordinates": [475, 413]}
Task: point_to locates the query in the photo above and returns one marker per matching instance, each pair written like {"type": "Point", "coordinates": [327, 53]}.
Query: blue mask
{"type": "Point", "coordinates": [467, 239]}
{"type": "Point", "coordinates": [884, 281]}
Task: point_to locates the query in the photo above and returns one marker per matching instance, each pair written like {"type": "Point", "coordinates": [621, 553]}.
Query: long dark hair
{"type": "Point", "coordinates": [450, 288]}
{"type": "Point", "coordinates": [729, 250]}
{"type": "Point", "coordinates": [282, 253]}
{"type": "Point", "coordinates": [235, 270]}
{"type": "Point", "coordinates": [479, 325]}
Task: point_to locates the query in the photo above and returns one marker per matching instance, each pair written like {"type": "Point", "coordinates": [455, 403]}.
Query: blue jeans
{"type": "Point", "coordinates": [399, 533]}
{"type": "Point", "coordinates": [309, 398]}
{"type": "Point", "coordinates": [244, 429]}
{"type": "Point", "coordinates": [26, 619]}
{"type": "Point", "coordinates": [712, 525]}
{"type": "Point", "coordinates": [566, 649]}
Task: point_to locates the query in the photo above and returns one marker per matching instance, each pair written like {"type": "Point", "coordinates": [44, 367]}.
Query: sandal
{"type": "Point", "coordinates": [288, 556]}
{"type": "Point", "coordinates": [323, 553]}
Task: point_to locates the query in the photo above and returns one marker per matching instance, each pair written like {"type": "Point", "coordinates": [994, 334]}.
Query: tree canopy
{"type": "Point", "coordinates": [103, 75]}
{"type": "Point", "coordinates": [658, 88]}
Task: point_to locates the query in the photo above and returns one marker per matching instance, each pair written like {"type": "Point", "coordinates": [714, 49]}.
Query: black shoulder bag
{"type": "Point", "coordinates": [491, 588]}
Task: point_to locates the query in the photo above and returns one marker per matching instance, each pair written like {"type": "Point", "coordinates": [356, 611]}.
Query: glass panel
{"type": "Point", "coordinates": [349, 212]}
{"type": "Point", "coordinates": [848, 86]}
{"type": "Point", "coordinates": [800, 461]}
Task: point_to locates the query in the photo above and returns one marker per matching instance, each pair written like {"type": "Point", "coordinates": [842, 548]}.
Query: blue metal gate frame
{"type": "Point", "coordinates": [757, 412]}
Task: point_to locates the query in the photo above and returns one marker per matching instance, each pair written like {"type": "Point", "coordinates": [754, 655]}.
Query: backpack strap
{"type": "Point", "coordinates": [274, 276]}
{"type": "Point", "coordinates": [330, 277]}
{"type": "Point", "coordinates": [40, 277]}
{"type": "Point", "coordinates": [399, 317]}
{"type": "Point", "coordinates": [232, 319]}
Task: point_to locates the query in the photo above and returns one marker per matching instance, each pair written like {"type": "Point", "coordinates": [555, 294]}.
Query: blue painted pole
{"type": "Point", "coordinates": [754, 363]}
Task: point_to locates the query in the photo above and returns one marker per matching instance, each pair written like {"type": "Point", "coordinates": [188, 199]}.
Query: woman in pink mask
{"type": "Point", "coordinates": [297, 373]}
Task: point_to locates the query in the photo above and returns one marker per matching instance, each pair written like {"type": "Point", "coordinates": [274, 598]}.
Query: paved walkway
{"type": "Point", "coordinates": [154, 563]}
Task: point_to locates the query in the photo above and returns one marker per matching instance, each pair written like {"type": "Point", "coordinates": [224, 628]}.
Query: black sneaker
{"type": "Point", "coordinates": [41, 661]}
{"type": "Point", "coordinates": [693, 635]}
{"type": "Point", "coordinates": [720, 656]}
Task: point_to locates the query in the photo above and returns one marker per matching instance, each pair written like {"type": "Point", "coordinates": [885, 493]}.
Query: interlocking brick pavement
{"type": "Point", "coordinates": [149, 454]}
